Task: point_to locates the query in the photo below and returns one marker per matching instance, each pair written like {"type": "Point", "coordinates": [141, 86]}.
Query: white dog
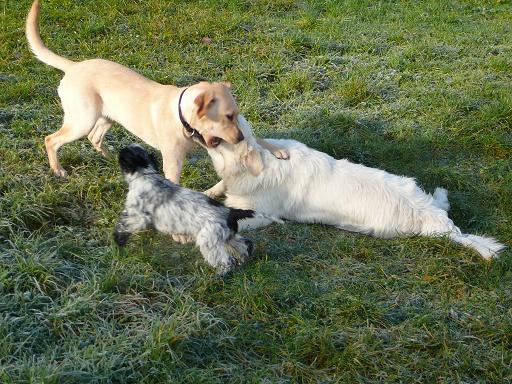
{"type": "Point", "coordinates": [313, 187]}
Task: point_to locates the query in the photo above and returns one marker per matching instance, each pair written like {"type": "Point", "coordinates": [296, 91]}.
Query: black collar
{"type": "Point", "coordinates": [194, 133]}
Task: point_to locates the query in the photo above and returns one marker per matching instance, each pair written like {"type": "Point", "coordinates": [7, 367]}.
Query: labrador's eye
{"type": "Point", "coordinates": [230, 116]}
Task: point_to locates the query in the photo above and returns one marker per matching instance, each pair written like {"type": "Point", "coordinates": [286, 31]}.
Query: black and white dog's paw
{"type": "Point", "coordinates": [121, 238]}
{"type": "Point", "coordinates": [250, 246]}
{"type": "Point", "coordinates": [227, 266]}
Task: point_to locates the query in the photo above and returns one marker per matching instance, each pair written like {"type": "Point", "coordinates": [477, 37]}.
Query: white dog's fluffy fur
{"type": "Point", "coordinates": [313, 187]}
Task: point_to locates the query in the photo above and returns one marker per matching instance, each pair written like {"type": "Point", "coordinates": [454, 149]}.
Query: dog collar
{"type": "Point", "coordinates": [191, 131]}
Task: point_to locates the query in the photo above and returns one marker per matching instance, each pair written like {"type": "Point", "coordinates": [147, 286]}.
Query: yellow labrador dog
{"type": "Point", "coordinates": [96, 92]}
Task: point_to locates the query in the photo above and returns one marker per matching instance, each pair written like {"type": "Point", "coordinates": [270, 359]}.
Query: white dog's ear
{"type": "Point", "coordinates": [253, 161]}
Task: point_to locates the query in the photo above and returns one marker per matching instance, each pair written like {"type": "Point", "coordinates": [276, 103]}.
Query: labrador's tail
{"type": "Point", "coordinates": [36, 44]}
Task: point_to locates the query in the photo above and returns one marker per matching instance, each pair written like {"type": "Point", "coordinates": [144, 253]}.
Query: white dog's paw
{"type": "Point", "coordinates": [183, 239]}
{"type": "Point", "coordinates": [211, 193]}
{"type": "Point", "coordinates": [282, 154]}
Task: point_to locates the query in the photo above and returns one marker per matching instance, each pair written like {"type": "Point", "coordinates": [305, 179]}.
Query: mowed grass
{"type": "Point", "coordinates": [422, 89]}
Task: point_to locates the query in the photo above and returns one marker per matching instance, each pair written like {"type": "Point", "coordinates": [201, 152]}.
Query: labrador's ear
{"type": "Point", "coordinates": [253, 161]}
{"type": "Point", "coordinates": [203, 102]}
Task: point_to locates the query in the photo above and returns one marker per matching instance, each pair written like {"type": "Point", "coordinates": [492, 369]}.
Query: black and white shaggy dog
{"type": "Point", "coordinates": [155, 202]}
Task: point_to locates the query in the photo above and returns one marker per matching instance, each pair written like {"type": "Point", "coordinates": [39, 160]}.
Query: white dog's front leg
{"type": "Point", "coordinates": [253, 223]}
{"type": "Point", "coordinates": [280, 153]}
{"type": "Point", "coordinates": [217, 190]}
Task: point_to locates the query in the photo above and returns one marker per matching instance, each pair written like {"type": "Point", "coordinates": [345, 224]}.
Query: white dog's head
{"type": "Point", "coordinates": [245, 156]}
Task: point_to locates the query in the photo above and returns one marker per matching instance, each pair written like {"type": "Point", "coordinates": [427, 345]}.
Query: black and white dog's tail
{"type": "Point", "coordinates": [236, 215]}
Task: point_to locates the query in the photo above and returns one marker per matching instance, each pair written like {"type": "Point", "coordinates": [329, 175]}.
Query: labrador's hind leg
{"type": "Point", "coordinates": [81, 111]}
{"type": "Point", "coordinates": [98, 133]}
{"type": "Point", "coordinates": [69, 132]}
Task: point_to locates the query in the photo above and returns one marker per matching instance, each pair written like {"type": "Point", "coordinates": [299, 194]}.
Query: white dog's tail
{"type": "Point", "coordinates": [36, 44]}
{"type": "Point", "coordinates": [487, 247]}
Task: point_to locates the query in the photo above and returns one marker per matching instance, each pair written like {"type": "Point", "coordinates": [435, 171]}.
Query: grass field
{"type": "Point", "coordinates": [417, 88]}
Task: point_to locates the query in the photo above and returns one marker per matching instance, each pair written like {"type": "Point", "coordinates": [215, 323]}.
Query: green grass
{"type": "Point", "coordinates": [417, 88]}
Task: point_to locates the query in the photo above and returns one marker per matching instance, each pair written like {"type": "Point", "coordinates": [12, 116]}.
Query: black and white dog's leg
{"type": "Point", "coordinates": [128, 223]}
{"type": "Point", "coordinates": [211, 242]}
{"type": "Point", "coordinates": [242, 246]}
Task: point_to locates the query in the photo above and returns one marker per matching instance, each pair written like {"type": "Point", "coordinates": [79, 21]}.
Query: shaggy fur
{"type": "Point", "coordinates": [154, 201]}
{"type": "Point", "coordinates": [313, 187]}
